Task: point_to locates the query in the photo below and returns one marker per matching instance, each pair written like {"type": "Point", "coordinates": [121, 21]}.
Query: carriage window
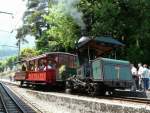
{"type": "Point", "coordinates": [31, 66]}
{"type": "Point", "coordinates": [61, 59]}
{"type": "Point", "coordinates": [42, 65]}
{"type": "Point", "coordinates": [71, 61]}
{"type": "Point", "coordinates": [67, 60]}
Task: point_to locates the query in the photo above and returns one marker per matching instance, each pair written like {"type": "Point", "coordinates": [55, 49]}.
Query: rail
{"type": "Point", "coordinates": [132, 99]}
{"type": "Point", "coordinates": [11, 103]}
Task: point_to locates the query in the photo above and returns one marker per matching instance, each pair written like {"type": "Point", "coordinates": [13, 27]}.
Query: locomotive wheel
{"type": "Point", "coordinates": [92, 89]}
{"type": "Point", "coordinates": [96, 89]}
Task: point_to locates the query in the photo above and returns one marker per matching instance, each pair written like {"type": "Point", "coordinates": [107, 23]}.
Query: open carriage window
{"type": "Point", "coordinates": [52, 61]}
{"type": "Point", "coordinates": [41, 64]}
{"type": "Point", "coordinates": [31, 65]}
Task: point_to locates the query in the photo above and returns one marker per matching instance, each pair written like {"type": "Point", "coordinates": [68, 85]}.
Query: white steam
{"type": "Point", "coordinates": [69, 7]}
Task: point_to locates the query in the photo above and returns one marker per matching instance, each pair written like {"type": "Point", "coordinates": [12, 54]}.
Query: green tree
{"type": "Point", "coordinates": [127, 20]}
{"type": "Point", "coordinates": [54, 30]}
{"type": "Point", "coordinates": [2, 66]}
{"type": "Point", "coordinates": [10, 62]}
{"type": "Point", "coordinates": [58, 27]}
{"type": "Point", "coordinates": [64, 31]}
{"type": "Point", "coordinates": [28, 52]}
{"type": "Point", "coordinates": [21, 34]}
{"type": "Point", "coordinates": [34, 23]}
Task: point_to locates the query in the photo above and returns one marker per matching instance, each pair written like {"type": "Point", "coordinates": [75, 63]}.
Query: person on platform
{"type": "Point", "coordinates": [135, 76]}
{"type": "Point", "coordinates": [145, 77]}
{"type": "Point", "coordinates": [140, 74]}
{"type": "Point", "coordinates": [149, 77]}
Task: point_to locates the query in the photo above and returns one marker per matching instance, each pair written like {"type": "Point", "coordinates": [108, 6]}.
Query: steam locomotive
{"type": "Point", "coordinates": [85, 71]}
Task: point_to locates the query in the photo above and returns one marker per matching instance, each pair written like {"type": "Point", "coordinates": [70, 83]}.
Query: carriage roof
{"type": "Point", "coordinates": [49, 53]}
{"type": "Point", "coordinates": [101, 44]}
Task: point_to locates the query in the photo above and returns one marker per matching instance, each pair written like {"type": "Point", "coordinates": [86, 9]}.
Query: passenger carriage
{"type": "Point", "coordinates": [38, 70]}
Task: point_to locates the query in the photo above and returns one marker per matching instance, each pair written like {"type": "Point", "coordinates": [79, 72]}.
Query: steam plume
{"type": "Point", "coordinates": [69, 7]}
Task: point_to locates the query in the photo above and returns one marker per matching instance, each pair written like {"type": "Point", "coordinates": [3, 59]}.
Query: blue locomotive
{"type": "Point", "coordinates": [95, 74]}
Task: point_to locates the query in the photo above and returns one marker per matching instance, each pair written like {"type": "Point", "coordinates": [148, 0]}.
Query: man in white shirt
{"type": "Point", "coordinates": [140, 74]}
{"type": "Point", "coordinates": [135, 76]}
{"type": "Point", "coordinates": [133, 70]}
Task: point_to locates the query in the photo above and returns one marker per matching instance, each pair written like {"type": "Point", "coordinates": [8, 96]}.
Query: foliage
{"type": "Point", "coordinates": [57, 28]}
{"type": "Point", "coordinates": [64, 31]}
{"type": "Point", "coordinates": [28, 52]}
{"type": "Point", "coordinates": [10, 62]}
{"type": "Point", "coordinates": [127, 20]}
{"type": "Point", "coordinates": [2, 66]}
{"type": "Point", "coordinates": [34, 22]}
{"type": "Point", "coordinates": [21, 34]}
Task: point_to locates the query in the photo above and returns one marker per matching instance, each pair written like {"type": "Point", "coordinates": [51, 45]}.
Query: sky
{"type": "Point", "coordinates": [9, 23]}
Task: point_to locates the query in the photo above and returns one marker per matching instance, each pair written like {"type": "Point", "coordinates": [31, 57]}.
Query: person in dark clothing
{"type": "Point", "coordinates": [23, 67]}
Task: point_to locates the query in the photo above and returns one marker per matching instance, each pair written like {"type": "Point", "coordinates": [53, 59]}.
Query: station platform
{"type": "Point", "coordinates": [56, 102]}
{"type": "Point", "coordinates": [66, 103]}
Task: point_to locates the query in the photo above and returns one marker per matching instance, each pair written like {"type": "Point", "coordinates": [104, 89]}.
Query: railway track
{"type": "Point", "coordinates": [121, 98]}
{"type": "Point", "coordinates": [2, 108]}
{"type": "Point", "coordinates": [10, 103]}
{"type": "Point", "coordinates": [132, 99]}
